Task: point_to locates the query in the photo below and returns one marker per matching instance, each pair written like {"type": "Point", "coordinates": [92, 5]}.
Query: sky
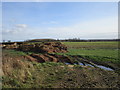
{"type": "Point", "coordinates": [60, 0]}
{"type": "Point", "coordinates": [59, 20]}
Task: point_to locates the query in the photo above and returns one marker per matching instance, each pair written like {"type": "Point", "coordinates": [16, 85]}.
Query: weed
{"type": "Point", "coordinates": [77, 67]}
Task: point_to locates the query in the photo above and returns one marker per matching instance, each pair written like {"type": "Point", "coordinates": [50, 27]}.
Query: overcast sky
{"type": "Point", "coordinates": [59, 20]}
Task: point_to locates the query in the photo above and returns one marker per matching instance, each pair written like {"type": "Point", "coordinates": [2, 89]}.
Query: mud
{"type": "Point", "coordinates": [49, 58]}
{"type": "Point", "coordinates": [41, 58]}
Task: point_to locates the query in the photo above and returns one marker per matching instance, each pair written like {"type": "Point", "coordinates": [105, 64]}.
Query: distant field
{"type": "Point", "coordinates": [92, 45]}
{"type": "Point", "coordinates": [95, 52]}
{"type": "Point", "coordinates": [93, 49]}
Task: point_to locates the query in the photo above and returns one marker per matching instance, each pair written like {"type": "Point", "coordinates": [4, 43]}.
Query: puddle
{"type": "Point", "coordinates": [100, 66]}
{"type": "Point", "coordinates": [89, 65]}
{"type": "Point", "coordinates": [67, 63]}
{"type": "Point", "coordinates": [81, 64]}
{"type": "Point", "coordinates": [105, 68]}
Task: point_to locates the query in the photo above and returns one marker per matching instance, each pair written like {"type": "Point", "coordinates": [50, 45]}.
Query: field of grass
{"type": "Point", "coordinates": [92, 45]}
{"type": "Point", "coordinates": [95, 49]}
{"type": "Point", "coordinates": [95, 52]}
{"type": "Point", "coordinates": [107, 49]}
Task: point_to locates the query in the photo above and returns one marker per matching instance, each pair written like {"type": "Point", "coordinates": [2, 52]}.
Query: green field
{"type": "Point", "coordinates": [92, 45]}
{"type": "Point", "coordinates": [95, 50]}
{"type": "Point", "coordinates": [108, 49]}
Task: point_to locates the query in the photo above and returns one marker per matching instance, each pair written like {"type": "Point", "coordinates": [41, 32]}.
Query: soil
{"type": "Point", "coordinates": [41, 58]}
{"type": "Point", "coordinates": [89, 78]}
{"type": "Point", "coordinates": [50, 58]}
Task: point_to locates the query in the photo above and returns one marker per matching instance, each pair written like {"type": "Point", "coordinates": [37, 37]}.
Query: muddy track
{"type": "Point", "coordinates": [102, 63]}
{"type": "Point", "coordinates": [41, 58]}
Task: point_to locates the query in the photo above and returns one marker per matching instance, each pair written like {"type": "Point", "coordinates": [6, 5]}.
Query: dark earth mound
{"type": "Point", "coordinates": [48, 47]}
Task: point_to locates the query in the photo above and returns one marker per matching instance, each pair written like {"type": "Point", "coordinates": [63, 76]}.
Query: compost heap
{"type": "Point", "coordinates": [48, 47]}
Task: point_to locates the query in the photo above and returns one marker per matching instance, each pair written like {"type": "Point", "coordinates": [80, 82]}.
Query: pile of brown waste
{"type": "Point", "coordinates": [49, 47]}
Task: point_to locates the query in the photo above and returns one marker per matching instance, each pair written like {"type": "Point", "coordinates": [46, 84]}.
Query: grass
{"type": "Point", "coordinates": [44, 75]}
{"type": "Point", "coordinates": [105, 49]}
{"type": "Point", "coordinates": [92, 45]}
{"type": "Point", "coordinates": [14, 52]}
{"type": "Point", "coordinates": [94, 52]}
{"type": "Point", "coordinates": [99, 51]}
{"type": "Point", "coordinates": [103, 59]}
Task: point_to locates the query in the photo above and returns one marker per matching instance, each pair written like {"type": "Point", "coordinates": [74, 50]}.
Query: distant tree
{"type": "Point", "coordinates": [57, 39]}
{"type": "Point", "coordinates": [3, 41]}
{"type": "Point", "coordinates": [9, 40]}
